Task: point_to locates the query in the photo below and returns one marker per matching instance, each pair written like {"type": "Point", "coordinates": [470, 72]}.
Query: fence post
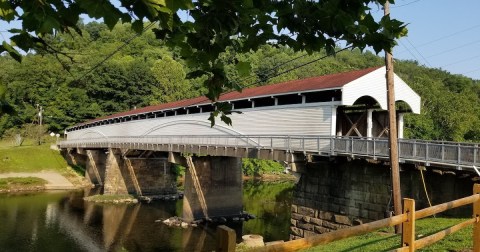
{"type": "Point", "coordinates": [332, 145]}
{"type": "Point", "coordinates": [408, 234]}
{"type": "Point", "coordinates": [426, 152]}
{"type": "Point", "coordinates": [225, 239]}
{"type": "Point", "coordinates": [351, 146]}
{"type": "Point", "coordinates": [458, 154]}
{"type": "Point", "coordinates": [475, 150]}
{"type": "Point", "coordinates": [318, 144]}
{"type": "Point", "coordinates": [476, 215]}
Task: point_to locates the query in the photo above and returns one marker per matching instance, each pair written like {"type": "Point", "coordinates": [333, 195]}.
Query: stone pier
{"type": "Point", "coordinates": [95, 166]}
{"type": "Point", "coordinates": [213, 187]}
{"type": "Point", "coordinates": [337, 194]}
{"type": "Point", "coordinates": [130, 174]}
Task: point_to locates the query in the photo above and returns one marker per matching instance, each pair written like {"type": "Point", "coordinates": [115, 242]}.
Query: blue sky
{"type": "Point", "coordinates": [442, 34]}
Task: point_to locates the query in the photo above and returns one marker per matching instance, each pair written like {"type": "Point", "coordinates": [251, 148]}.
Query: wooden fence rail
{"type": "Point", "coordinates": [408, 218]}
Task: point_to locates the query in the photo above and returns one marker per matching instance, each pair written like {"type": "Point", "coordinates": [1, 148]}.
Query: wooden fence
{"type": "Point", "coordinates": [407, 219]}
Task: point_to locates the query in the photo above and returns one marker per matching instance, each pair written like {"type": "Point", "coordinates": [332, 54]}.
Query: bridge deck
{"type": "Point", "coordinates": [461, 156]}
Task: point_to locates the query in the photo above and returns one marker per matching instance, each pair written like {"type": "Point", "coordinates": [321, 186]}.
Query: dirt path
{"type": "Point", "coordinates": [55, 180]}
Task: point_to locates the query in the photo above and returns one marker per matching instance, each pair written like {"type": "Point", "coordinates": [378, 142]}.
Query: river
{"type": "Point", "coordinates": [62, 221]}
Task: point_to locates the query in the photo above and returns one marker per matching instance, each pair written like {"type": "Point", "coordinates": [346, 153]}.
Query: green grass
{"type": "Point", "coordinates": [14, 183]}
{"type": "Point", "coordinates": [29, 158]}
{"type": "Point", "coordinates": [384, 241]}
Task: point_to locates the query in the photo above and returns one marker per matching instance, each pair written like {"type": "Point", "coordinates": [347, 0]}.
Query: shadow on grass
{"type": "Point", "coordinates": [369, 242]}
{"type": "Point", "coordinates": [387, 240]}
{"type": "Point", "coordinates": [80, 170]}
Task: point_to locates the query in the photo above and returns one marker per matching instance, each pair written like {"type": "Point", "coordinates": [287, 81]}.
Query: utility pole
{"type": "Point", "coordinates": [392, 136]}
{"type": "Point", "coordinates": [40, 114]}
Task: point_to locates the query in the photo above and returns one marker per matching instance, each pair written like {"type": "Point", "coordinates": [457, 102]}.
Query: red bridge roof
{"type": "Point", "coordinates": [331, 81]}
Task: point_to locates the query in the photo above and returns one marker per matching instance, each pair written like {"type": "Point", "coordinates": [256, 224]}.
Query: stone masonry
{"type": "Point", "coordinates": [338, 194]}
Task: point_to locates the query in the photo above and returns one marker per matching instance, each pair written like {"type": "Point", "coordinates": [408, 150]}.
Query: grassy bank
{"type": "Point", "coordinates": [21, 183]}
{"type": "Point", "coordinates": [386, 241]}
{"type": "Point", "coordinates": [30, 158]}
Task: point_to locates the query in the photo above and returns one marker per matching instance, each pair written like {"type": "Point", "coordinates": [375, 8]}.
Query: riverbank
{"type": "Point", "coordinates": [273, 177]}
{"type": "Point", "coordinates": [39, 181]}
{"type": "Point", "coordinates": [36, 168]}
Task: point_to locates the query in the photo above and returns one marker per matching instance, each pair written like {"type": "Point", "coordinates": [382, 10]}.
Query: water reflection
{"type": "Point", "coordinates": [64, 222]}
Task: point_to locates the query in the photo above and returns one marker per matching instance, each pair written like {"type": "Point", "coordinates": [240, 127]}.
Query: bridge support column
{"type": "Point", "coordinates": [115, 175]}
{"type": "Point", "coordinates": [213, 187]}
{"type": "Point", "coordinates": [151, 176]}
{"type": "Point", "coordinates": [95, 166]}
{"type": "Point", "coordinates": [137, 175]}
{"type": "Point", "coordinates": [74, 158]}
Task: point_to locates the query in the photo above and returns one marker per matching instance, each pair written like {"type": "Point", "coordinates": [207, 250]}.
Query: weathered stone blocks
{"type": "Point", "coordinates": [333, 195]}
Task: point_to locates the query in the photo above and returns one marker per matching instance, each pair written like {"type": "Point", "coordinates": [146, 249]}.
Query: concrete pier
{"type": "Point", "coordinates": [213, 187]}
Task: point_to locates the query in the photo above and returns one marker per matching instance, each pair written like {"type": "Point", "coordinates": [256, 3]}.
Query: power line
{"type": "Point", "coordinates": [268, 71]}
{"type": "Point", "coordinates": [280, 73]}
{"type": "Point", "coordinates": [450, 35]}
{"type": "Point", "coordinates": [460, 61]}
{"type": "Point", "coordinates": [413, 55]}
{"type": "Point", "coordinates": [113, 53]}
{"type": "Point", "coordinates": [453, 49]}
{"type": "Point", "coordinates": [398, 6]}
{"type": "Point", "coordinates": [472, 71]}
{"type": "Point", "coordinates": [277, 66]}
{"type": "Point", "coordinates": [418, 52]}
{"type": "Point", "coordinates": [446, 36]}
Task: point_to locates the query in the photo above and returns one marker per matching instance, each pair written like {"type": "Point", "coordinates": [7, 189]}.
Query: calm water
{"type": "Point", "coordinates": [62, 221]}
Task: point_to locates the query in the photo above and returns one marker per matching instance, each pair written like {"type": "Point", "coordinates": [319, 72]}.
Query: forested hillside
{"type": "Point", "coordinates": [74, 84]}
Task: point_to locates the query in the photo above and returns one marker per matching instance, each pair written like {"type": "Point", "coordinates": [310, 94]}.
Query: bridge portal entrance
{"type": "Point", "coordinates": [361, 122]}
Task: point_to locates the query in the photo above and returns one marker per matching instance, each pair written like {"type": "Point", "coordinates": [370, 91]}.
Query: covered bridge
{"type": "Point", "coordinates": [344, 104]}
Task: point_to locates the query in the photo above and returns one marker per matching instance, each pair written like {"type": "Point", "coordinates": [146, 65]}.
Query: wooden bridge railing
{"type": "Point", "coordinates": [408, 218]}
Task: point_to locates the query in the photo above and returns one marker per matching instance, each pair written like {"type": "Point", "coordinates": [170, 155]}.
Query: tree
{"type": "Point", "coordinates": [202, 30]}
{"type": "Point", "coordinates": [5, 107]}
{"type": "Point", "coordinates": [170, 76]}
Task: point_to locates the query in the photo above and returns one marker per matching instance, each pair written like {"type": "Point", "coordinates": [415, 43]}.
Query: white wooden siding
{"type": "Point", "coordinates": [374, 85]}
{"type": "Point", "coordinates": [300, 119]}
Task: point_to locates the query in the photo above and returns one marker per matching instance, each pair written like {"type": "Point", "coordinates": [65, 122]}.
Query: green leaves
{"type": "Point", "coordinates": [222, 109]}
{"type": "Point", "coordinates": [137, 26]}
{"type": "Point", "coordinates": [7, 11]}
{"type": "Point", "coordinates": [103, 9]}
{"type": "Point", "coordinates": [207, 28]}
{"type": "Point", "coordinates": [13, 53]}
{"type": "Point", "coordinates": [243, 68]}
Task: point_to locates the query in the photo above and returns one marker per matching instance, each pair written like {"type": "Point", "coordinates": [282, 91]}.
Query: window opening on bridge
{"type": "Point", "coordinates": [207, 108]}
{"type": "Point", "coordinates": [289, 99]}
{"type": "Point", "coordinates": [264, 102]}
{"type": "Point", "coordinates": [323, 96]}
{"type": "Point", "coordinates": [242, 104]}
{"type": "Point", "coordinates": [181, 111]}
{"type": "Point", "coordinates": [170, 113]}
{"type": "Point", "coordinates": [193, 110]}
